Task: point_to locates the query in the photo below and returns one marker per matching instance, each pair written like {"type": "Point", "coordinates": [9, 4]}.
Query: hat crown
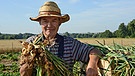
{"type": "Point", "coordinates": [50, 7]}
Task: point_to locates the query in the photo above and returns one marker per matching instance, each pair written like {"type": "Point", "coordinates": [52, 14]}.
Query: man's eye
{"type": "Point", "coordinates": [55, 20]}
{"type": "Point", "coordinates": [45, 21]}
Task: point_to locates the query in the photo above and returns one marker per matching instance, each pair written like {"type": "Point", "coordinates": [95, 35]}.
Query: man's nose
{"type": "Point", "coordinates": [49, 24]}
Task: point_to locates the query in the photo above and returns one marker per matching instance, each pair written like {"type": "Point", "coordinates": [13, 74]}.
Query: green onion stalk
{"type": "Point", "coordinates": [121, 59]}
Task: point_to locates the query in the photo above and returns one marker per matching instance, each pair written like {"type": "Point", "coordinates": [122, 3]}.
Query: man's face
{"type": "Point", "coordinates": [50, 25]}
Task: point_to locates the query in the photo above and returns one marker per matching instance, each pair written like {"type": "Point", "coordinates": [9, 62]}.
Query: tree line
{"type": "Point", "coordinates": [15, 36]}
{"type": "Point", "coordinates": [123, 31]}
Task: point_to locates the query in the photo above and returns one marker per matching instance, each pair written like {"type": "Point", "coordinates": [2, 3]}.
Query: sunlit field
{"type": "Point", "coordinates": [15, 44]}
{"type": "Point", "coordinates": [109, 41]}
{"type": "Point", "coordinates": [9, 45]}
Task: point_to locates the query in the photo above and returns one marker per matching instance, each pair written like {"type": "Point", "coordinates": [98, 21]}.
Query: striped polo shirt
{"type": "Point", "coordinates": [74, 50]}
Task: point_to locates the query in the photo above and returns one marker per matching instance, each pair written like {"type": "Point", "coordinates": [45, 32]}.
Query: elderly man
{"type": "Point", "coordinates": [67, 48]}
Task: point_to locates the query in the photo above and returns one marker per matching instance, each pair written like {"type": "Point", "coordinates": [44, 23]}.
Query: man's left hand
{"type": "Point", "coordinates": [91, 71]}
{"type": "Point", "coordinates": [92, 68]}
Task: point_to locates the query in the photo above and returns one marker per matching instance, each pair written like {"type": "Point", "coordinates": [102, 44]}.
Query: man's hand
{"type": "Point", "coordinates": [25, 70]}
{"type": "Point", "coordinates": [91, 70]}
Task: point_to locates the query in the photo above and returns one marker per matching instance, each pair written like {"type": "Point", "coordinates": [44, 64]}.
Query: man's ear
{"type": "Point", "coordinates": [60, 21]}
{"type": "Point", "coordinates": [39, 22]}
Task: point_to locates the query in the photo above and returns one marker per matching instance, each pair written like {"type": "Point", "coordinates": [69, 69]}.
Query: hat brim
{"type": "Point", "coordinates": [64, 18]}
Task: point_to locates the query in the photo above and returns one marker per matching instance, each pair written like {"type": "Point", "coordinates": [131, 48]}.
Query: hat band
{"type": "Point", "coordinates": [49, 13]}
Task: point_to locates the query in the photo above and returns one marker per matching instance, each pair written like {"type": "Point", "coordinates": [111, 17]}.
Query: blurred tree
{"type": "Point", "coordinates": [131, 28]}
{"type": "Point", "coordinates": [122, 31]}
{"type": "Point", "coordinates": [106, 34]}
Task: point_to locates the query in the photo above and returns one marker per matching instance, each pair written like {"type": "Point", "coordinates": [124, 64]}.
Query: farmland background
{"type": "Point", "coordinates": [15, 45]}
{"type": "Point", "coordinates": [10, 45]}
{"type": "Point", "coordinates": [109, 41]}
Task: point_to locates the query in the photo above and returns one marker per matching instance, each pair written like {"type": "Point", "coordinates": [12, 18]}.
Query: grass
{"type": "Point", "coordinates": [9, 65]}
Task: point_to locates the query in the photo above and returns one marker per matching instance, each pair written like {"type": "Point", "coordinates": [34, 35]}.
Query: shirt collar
{"type": "Point", "coordinates": [58, 38]}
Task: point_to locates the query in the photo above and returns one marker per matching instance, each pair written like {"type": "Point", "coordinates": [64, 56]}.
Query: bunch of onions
{"type": "Point", "coordinates": [36, 55]}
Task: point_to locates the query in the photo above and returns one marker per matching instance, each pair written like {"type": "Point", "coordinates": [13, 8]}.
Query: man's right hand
{"type": "Point", "coordinates": [26, 70]}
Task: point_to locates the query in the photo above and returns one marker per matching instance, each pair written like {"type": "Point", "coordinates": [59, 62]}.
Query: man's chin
{"type": "Point", "coordinates": [50, 34]}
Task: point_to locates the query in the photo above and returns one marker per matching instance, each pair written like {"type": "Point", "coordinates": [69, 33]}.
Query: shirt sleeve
{"type": "Point", "coordinates": [31, 39]}
{"type": "Point", "coordinates": [81, 51]}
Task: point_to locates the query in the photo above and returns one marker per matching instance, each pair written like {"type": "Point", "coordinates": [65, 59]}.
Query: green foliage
{"type": "Point", "coordinates": [2, 67]}
{"type": "Point", "coordinates": [122, 31]}
{"type": "Point", "coordinates": [131, 28]}
{"type": "Point", "coordinates": [11, 56]}
{"type": "Point", "coordinates": [10, 68]}
{"type": "Point", "coordinates": [15, 36]}
{"type": "Point", "coordinates": [79, 69]}
{"type": "Point", "coordinates": [10, 74]}
{"type": "Point", "coordinates": [106, 34]}
{"type": "Point", "coordinates": [121, 58]}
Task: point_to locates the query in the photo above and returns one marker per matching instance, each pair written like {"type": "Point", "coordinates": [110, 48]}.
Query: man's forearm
{"type": "Point", "coordinates": [91, 69]}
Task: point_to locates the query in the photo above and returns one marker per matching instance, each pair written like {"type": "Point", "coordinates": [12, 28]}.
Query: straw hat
{"type": "Point", "coordinates": [50, 8]}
